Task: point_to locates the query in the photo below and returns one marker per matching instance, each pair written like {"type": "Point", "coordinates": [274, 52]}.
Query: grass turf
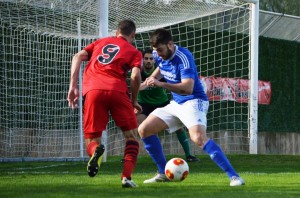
{"type": "Point", "coordinates": [269, 176]}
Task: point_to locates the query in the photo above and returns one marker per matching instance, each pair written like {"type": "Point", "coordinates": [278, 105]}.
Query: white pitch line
{"type": "Point", "coordinates": [46, 173]}
{"type": "Point", "coordinates": [41, 167]}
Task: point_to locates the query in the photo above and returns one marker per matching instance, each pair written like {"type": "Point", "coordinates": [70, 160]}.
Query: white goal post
{"type": "Point", "coordinates": [39, 37]}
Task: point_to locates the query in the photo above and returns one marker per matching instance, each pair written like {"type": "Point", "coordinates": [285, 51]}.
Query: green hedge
{"type": "Point", "coordinates": [279, 63]}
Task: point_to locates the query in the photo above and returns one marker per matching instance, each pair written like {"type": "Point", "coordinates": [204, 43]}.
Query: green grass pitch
{"type": "Point", "coordinates": [268, 176]}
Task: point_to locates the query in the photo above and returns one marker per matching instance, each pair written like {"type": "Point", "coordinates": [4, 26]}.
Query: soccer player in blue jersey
{"type": "Point", "coordinates": [188, 107]}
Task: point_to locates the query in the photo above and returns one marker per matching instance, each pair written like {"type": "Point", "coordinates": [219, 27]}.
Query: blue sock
{"type": "Point", "coordinates": [154, 148]}
{"type": "Point", "coordinates": [217, 155]}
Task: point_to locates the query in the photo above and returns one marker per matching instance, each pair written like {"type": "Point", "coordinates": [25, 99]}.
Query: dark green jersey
{"type": "Point", "coordinates": [152, 95]}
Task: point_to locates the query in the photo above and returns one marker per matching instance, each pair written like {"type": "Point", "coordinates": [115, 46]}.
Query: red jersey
{"type": "Point", "coordinates": [110, 60]}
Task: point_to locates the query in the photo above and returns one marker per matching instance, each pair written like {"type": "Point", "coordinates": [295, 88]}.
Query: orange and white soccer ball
{"type": "Point", "coordinates": [176, 169]}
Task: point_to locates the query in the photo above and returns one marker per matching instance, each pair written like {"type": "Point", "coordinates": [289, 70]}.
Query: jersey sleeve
{"type": "Point", "coordinates": [156, 57]}
{"type": "Point", "coordinates": [137, 60]}
{"type": "Point", "coordinates": [89, 48]}
{"type": "Point", "coordinates": [187, 67]}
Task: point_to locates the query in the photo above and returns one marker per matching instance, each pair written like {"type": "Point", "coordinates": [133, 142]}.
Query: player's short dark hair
{"type": "Point", "coordinates": [160, 36]}
{"type": "Point", "coordinates": [147, 51]}
{"type": "Point", "coordinates": [126, 27]}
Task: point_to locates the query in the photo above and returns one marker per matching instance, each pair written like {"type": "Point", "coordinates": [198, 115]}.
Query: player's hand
{"type": "Point", "coordinates": [143, 86]}
{"type": "Point", "coordinates": [137, 108]}
{"type": "Point", "coordinates": [73, 97]}
{"type": "Point", "coordinates": [152, 82]}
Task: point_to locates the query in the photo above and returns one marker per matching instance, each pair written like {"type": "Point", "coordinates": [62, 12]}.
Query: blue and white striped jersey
{"type": "Point", "coordinates": [180, 66]}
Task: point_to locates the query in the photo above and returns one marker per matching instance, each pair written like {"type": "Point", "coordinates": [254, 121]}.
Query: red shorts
{"type": "Point", "coordinates": [97, 106]}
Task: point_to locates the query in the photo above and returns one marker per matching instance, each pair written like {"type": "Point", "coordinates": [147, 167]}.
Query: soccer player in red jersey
{"type": "Point", "coordinates": [105, 91]}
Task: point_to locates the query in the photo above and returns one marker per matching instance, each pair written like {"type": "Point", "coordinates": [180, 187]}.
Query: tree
{"type": "Point", "coordinates": [290, 7]}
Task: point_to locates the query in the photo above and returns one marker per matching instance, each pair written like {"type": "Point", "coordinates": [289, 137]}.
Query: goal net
{"type": "Point", "coordinates": [39, 38]}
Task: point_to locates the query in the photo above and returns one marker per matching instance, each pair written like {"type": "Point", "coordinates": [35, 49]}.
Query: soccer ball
{"type": "Point", "coordinates": [176, 169]}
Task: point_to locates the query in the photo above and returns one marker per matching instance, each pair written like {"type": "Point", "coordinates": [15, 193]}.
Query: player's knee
{"type": "Point", "coordinates": [130, 134]}
{"type": "Point", "coordinates": [198, 139]}
{"type": "Point", "coordinates": [198, 142]}
{"type": "Point", "coordinates": [143, 132]}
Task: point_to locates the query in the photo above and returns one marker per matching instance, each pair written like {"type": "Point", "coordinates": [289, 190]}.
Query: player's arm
{"type": "Point", "coordinates": [156, 74]}
{"type": "Point", "coordinates": [135, 82]}
{"type": "Point", "coordinates": [75, 66]}
{"type": "Point", "coordinates": [143, 86]}
{"type": "Point", "coordinates": [73, 94]}
{"type": "Point", "coordinates": [185, 87]}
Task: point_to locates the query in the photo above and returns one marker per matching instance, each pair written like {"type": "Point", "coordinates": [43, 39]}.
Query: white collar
{"type": "Point", "coordinates": [176, 48]}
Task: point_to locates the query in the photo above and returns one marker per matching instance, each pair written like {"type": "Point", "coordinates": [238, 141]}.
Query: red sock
{"type": "Point", "coordinates": [91, 147]}
{"type": "Point", "coordinates": [131, 152]}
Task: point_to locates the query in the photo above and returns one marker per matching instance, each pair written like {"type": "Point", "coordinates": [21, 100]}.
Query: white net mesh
{"type": "Point", "coordinates": [39, 38]}
{"type": "Point", "coordinates": [59, 17]}
{"type": "Point", "coordinates": [220, 44]}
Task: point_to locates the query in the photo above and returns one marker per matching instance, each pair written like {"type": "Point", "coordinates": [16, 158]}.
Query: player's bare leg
{"type": "Point", "coordinates": [184, 141]}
